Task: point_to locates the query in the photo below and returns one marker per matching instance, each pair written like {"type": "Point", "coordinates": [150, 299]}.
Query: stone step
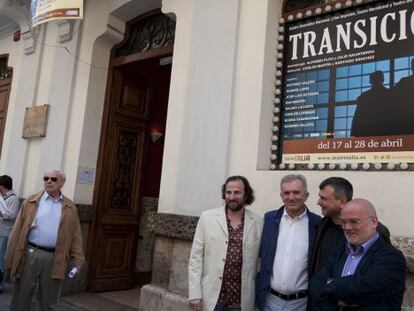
{"type": "Point", "coordinates": [126, 300]}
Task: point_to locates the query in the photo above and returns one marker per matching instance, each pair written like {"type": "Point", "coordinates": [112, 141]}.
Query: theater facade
{"type": "Point", "coordinates": [149, 105]}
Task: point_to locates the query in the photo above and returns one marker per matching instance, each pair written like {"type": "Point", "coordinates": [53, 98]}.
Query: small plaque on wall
{"type": "Point", "coordinates": [35, 120]}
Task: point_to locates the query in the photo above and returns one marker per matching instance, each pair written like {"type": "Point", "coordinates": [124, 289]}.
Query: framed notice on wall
{"type": "Point", "coordinates": [347, 88]}
{"type": "Point", "coordinates": [35, 120]}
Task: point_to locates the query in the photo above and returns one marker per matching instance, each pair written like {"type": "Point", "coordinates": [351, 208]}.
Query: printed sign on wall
{"type": "Point", "coordinates": [46, 10]}
{"type": "Point", "coordinates": [348, 88]}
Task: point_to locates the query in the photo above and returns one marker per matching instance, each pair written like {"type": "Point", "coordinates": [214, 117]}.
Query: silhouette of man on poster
{"type": "Point", "coordinates": [373, 108]}
{"type": "Point", "coordinates": [402, 110]}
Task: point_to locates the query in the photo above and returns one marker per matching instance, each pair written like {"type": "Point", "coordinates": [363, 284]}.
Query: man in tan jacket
{"type": "Point", "coordinates": [45, 245]}
{"type": "Point", "coordinates": [223, 261]}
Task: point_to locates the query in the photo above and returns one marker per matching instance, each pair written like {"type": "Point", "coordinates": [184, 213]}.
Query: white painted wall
{"type": "Point", "coordinates": [103, 27]}
{"type": "Point", "coordinates": [219, 117]}
{"type": "Point", "coordinates": [391, 192]}
{"type": "Point", "coordinates": [55, 77]}
{"type": "Point", "coordinates": [15, 51]}
{"type": "Point", "coordinates": [89, 93]}
{"type": "Point", "coordinates": [199, 113]}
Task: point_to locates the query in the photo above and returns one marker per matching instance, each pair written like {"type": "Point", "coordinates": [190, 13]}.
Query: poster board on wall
{"type": "Point", "coordinates": [42, 11]}
{"type": "Point", "coordinates": [348, 86]}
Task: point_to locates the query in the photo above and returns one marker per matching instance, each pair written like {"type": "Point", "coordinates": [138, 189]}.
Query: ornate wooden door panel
{"type": "Point", "coordinates": [134, 73]}
{"type": "Point", "coordinates": [118, 194]}
{"type": "Point", "coordinates": [6, 74]}
{"type": "Point", "coordinates": [4, 100]}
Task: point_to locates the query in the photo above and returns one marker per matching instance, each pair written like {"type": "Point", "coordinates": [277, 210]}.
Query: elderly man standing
{"type": "Point", "coordinates": [334, 193]}
{"type": "Point", "coordinates": [287, 241]}
{"type": "Point", "coordinates": [367, 274]}
{"type": "Point", "coordinates": [45, 242]}
{"type": "Point", "coordinates": [223, 260]}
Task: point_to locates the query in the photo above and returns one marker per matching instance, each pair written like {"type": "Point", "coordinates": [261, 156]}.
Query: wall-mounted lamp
{"type": "Point", "coordinates": [155, 135]}
{"type": "Point", "coordinates": [16, 35]}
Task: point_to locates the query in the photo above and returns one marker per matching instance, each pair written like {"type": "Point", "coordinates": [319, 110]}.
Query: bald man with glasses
{"type": "Point", "coordinates": [367, 274]}
{"type": "Point", "coordinates": [45, 243]}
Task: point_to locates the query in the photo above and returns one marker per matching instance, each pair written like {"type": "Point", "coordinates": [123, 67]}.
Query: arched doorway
{"type": "Point", "coordinates": [130, 157]}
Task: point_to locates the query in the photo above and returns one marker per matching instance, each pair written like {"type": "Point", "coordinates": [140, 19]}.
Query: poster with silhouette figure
{"type": "Point", "coordinates": [348, 86]}
{"type": "Point", "coordinates": [42, 11]}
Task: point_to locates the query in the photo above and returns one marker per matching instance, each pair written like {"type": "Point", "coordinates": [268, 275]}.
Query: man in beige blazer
{"type": "Point", "coordinates": [223, 260]}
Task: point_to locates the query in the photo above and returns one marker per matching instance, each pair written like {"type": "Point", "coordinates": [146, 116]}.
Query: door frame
{"type": "Point", "coordinates": [104, 139]}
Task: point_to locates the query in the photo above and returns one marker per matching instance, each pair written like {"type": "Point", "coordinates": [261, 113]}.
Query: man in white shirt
{"type": "Point", "coordinates": [9, 207]}
{"type": "Point", "coordinates": [287, 241]}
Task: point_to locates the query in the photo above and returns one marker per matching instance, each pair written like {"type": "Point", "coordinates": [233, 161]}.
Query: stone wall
{"type": "Point", "coordinates": [168, 288]}
{"type": "Point", "coordinates": [145, 249]}
{"type": "Point", "coordinates": [406, 245]}
{"type": "Point", "coordinates": [173, 238]}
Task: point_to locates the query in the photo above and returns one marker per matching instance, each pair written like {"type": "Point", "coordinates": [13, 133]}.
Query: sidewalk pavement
{"type": "Point", "coordinates": [5, 298]}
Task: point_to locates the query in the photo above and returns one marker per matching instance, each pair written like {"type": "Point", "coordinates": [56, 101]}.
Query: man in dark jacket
{"type": "Point", "coordinates": [334, 193]}
{"type": "Point", "coordinates": [367, 274]}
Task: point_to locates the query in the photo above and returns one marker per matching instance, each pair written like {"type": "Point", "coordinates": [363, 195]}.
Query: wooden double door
{"type": "Point", "coordinates": [137, 93]}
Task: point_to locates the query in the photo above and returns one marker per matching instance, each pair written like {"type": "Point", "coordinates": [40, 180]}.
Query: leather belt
{"type": "Point", "coordinates": [43, 248]}
{"type": "Point", "coordinates": [298, 295]}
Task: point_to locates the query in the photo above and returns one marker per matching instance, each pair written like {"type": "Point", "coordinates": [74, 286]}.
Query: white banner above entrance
{"type": "Point", "coordinates": [46, 10]}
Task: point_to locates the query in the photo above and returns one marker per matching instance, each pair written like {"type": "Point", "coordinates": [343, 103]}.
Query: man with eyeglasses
{"type": "Point", "coordinates": [334, 193]}
{"type": "Point", "coordinates": [45, 243]}
{"type": "Point", "coordinates": [367, 274]}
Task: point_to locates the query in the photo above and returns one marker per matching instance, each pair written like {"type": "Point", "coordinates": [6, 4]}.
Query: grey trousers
{"type": "Point", "coordinates": [36, 290]}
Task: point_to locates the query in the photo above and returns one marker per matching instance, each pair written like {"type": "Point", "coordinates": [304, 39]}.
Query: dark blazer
{"type": "Point", "coordinates": [315, 260]}
{"type": "Point", "coordinates": [268, 250]}
{"type": "Point", "coordinates": [378, 283]}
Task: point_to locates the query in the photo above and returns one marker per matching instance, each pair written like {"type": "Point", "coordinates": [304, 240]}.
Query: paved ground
{"type": "Point", "coordinates": [126, 300]}
{"type": "Point", "coordinates": [5, 298]}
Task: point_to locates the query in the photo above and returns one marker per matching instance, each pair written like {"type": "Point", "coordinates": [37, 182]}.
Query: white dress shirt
{"type": "Point", "coordinates": [45, 227]}
{"type": "Point", "coordinates": [290, 273]}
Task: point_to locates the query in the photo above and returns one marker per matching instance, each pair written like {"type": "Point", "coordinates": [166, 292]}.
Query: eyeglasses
{"type": "Point", "coordinates": [354, 222]}
{"type": "Point", "coordinates": [46, 178]}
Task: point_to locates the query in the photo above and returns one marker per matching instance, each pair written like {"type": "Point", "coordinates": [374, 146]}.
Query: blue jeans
{"type": "Point", "coordinates": [3, 247]}
{"type": "Point", "coordinates": [274, 303]}
{"type": "Point", "coordinates": [223, 308]}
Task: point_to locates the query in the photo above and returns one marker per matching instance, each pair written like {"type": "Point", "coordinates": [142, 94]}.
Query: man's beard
{"type": "Point", "coordinates": [234, 206]}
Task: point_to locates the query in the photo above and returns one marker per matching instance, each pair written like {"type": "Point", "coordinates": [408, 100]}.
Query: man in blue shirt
{"type": "Point", "coordinates": [45, 246]}
{"type": "Point", "coordinates": [367, 274]}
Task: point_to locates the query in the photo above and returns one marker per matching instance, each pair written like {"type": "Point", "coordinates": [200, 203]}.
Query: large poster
{"type": "Point", "coordinates": [47, 10]}
{"type": "Point", "coordinates": [348, 88]}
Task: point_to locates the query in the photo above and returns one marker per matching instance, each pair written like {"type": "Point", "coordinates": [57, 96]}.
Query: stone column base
{"type": "Point", "coordinates": [169, 284]}
{"type": "Point", "coordinates": [155, 298]}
